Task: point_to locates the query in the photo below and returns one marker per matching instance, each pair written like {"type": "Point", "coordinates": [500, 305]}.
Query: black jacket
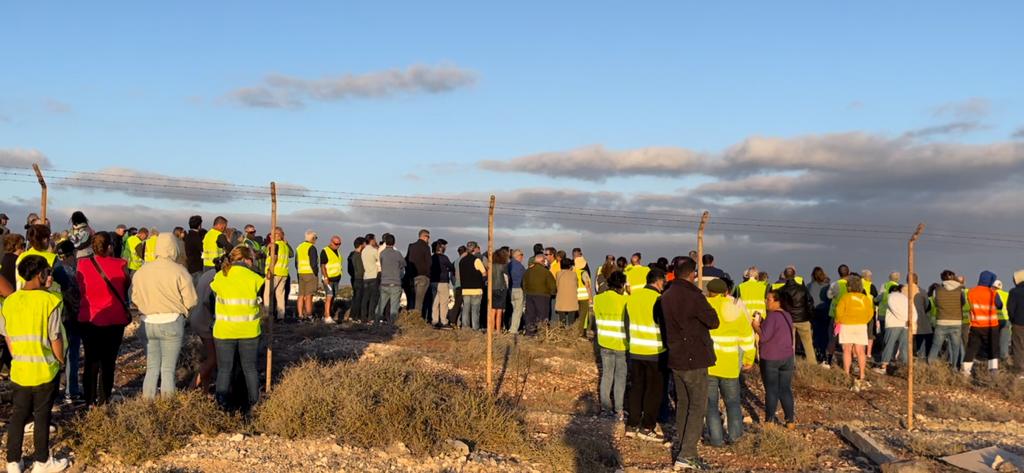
{"type": "Point", "coordinates": [1015, 305]}
{"type": "Point", "coordinates": [418, 259]}
{"type": "Point", "coordinates": [687, 321]}
{"type": "Point", "coordinates": [194, 250]}
{"type": "Point", "coordinates": [796, 299]}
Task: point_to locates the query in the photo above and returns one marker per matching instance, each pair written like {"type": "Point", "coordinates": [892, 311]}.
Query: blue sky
{"type": "Point", "coordinates": [146, 86]}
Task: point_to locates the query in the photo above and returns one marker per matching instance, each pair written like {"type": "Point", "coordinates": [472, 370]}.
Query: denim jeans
{"type": "Point", "coordinates": [895, 338]}
{"type": "Point", "coordinates": [518, 303]}
{"type": "Point", "coordinates": [471, 311]}
{"type": "Point", "coordinates": [389, 295]}
{"type": "Point", "coordinates": [613, 378]}
{"type": "Point", "coordinates": [74, 357]}
{"type": "Point", "coordinates": [730, 390]}
{"type": "Point", "coordinates": [777, 376]}
{"type": "Point", "coordinates": [1004, 341]}
{"type": "Point", "coordinates": [943, 334]}
{"type": "Point", "coordinates": [247, 350]}
{"type": "Point", "coordinates": [163, 344]}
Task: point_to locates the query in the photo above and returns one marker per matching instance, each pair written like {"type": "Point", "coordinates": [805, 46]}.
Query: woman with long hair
{"type": "Point", "coordinates": [499, 288]}
{"type": "Point", "coordinates": [236, 326]}
{"type": "Point", "coordinates": [103, 314]}
{"type": "Point", "coordinates": [853, 312]}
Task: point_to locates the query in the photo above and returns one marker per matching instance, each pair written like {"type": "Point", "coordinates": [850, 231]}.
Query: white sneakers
{"type": "Point", "coordinates": [329, 321]}
{"type": "Point", "coordinates": [30, 427]}
{"type": "Point", "coordinates": [52, 465]}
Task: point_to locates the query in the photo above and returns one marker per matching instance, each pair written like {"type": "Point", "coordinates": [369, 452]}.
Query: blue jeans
{"type": "Point", "coordinates": [613, 378]}
{"type": "Point", "coordinates": [471, 311]}
{"type": "Point", "coordinates": [74, 357]}
{"type": "Point", "coordinates": [247, 350]}
{"type": "Point", "coordinates": [1004, 341]}
{"type": "Point", "coordinates": [392, 295]}
{"type": "Point", "coordinates": [895, 338]}
{"type": "Point", "coordinates": [950, 334]}
{"type": "Point", "coordinates": [163, 344]}
{"type": "Point", "coordinates": [730, 391]}
{"type": "Point", "coordinates": [777, 376]}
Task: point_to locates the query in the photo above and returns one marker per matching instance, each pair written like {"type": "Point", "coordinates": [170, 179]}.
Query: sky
{"type": "Point", "coordinates": [863, 119]}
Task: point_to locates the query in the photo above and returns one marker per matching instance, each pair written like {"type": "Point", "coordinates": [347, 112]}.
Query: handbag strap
{"type": "Point", "coordinates": [110, 285]}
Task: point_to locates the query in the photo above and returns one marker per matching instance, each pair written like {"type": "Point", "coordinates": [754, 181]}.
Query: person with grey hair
{"type": "Point", "coordinates": [307, 265]}
{"type": "Point", "coordinates": [471, 273]}
{"type": "Point", "coordinates": [516, 270]}
{"type": "Point", "coordinates": [392, 269]}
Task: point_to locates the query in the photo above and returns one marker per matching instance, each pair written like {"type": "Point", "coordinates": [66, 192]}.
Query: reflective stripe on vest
{"type": "Point", "coordinates": [210, 249]}
{"type": "Point", "coordinates": [644, 333]}
{"type": "Point", "coordinates": [582, 293]}
{"type": "Point", "coordinates": [734, 334]}
{"type": "Point", "coordinates": [983, 307]}
{"type": "Point", "coordinates": [302, 258]}
{"type": "Point", "coordinates": [281, 268]}
{"type": "Point", "coordinates": [752, 294]}
{"type": "Point", "coordinates": [132, 244]}
{"type": "Point", "coordinates": [1003, 297]}
{"type": "Point", "coordinates": [609, 312]}
{"type": "Point", "coordinates": [26, 314]}
{"type": "Point", "coordinates": [333, 263]}
{"type": "Point", "coordinates": [237, 312]}
{"type": "Point", "coordinates": [150, 249]}
{"type": "Point", "coordinates": [636, 276]}
{"type": "Point", "coordinates": [50, 259]}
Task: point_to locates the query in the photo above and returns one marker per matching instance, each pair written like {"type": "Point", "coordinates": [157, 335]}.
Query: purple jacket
{"type": "Point", "coordinates": [776, 336]}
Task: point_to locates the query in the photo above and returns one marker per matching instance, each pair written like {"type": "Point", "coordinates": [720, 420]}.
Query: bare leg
{"type": "Point", "coordinates": [847, 357]}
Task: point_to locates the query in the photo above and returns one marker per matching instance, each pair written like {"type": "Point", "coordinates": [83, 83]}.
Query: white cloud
{"type": "Point", "coordinates": [597, 163]}
{"type": "Point", "coordinates": [22, 158]}
{"type": "Point", "coordinates": [972, 108]}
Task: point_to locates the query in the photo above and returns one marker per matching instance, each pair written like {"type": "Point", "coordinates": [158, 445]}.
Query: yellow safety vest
{"type": "Point", "coordinates": [281, 269]}
{"type": "Point", "coordinates": [302, 258]}
{"type": "Point", "coordinates": [644, 333]}
{"type": "Point", "coordinates": [841, 285]}
{"type": "Point", "coordinates": [25, 317]}
{"type": "Point", "coordinates": [1004, 296]}
{"type": "Point", "coordinates": [732, 335]}
{"type": "Point", "coordinates": [210, 249]}
{"type": "Point", "coordinates": [237, 313]}
{"type": "Point", "coordinates": [134, 262]}
{"type": "Point", "coordinates": [883, 305]}
{"type": "Point", "coordinates": [50, 258]}
{"type": "Point", "coordinates": [581, 289]}
{"type": "Point", "coordinates": [636, 276]}
{"type": "Point", "coordinates": [333, 263]}
{"type": "Point", "coordinates": [609, 312]}
{"type": "Point", "coordinates": [150, 249]}
{"type": "Point", "coordinates": [752, 294]}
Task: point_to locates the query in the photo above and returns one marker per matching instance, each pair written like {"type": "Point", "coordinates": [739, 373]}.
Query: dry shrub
{"type": "Point", "coordinates": [140, 429]}
{"type": "Point", "coordinates": [373, 404]}
{"type": "Point", "coordinates": [785, 447]}
{"type": "Point", "coordinates": [943, 407]}
{"type": "Point", "coordinates": [938, 374]}
{"type": "Point", "coordinates": [812, 376]}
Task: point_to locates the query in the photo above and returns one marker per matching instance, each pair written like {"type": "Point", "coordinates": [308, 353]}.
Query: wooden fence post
{"type": "Point", "coordinates": [912, 327]}
{"type": "Point", "coordinates": [700, 249]}
{"type": "Point", "coordinates": [490, 294]}
{"type": "Point", "coordinates": [42, 185]}
{"type": "Point", "coordinates": [268, 290]}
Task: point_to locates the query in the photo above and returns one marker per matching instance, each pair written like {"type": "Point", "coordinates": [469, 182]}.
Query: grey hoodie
{"type": "Point", "coordinates": [162, 289]}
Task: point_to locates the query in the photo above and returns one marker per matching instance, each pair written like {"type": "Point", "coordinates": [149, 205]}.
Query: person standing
{"type": "Point", "coordinates": [371, 281]}
{"type": "Point", "coordinates": [103, 313]}
{"type": "Point", "coordinates": [307, 267]}
{"type": "Point", "coordinates": [3, 225]}
{"type": "Point", "coordinates": [584, 288]}
{"type": "Point", "coordinates": [688, 321]}
{"type": "Point", "coordinates": [215, 242]}
{"type": "Point", "coordinates": [777, 361]}
{"type": "Point", "coordinates": [71, 298]}
{"type": "Point", "coordinates": [818, 287]}
{"type": "Point", "coordinates": [949, 301]}
{"type": "Point", "coordinates": [566, 304]}
{"type": "Point", "coordinates": [897, 319]}
{"type": "Point", "coordinates": [499, 289]}
{"type": "Point", "coordinates": [117, 239]}
{"type": "Point", "coordinates": [472, 272]}
{"type": "Point", "coordinates": [796, 300]}
{"type": "Point", "coordinates": [30, 321]}
{"type": "Point", "coordinates": [646, 358]}
{"type": "Point", "coordinates": [236, 327]}
{"type": "Point", "coordinates": [330, 272]}
{"type": "Point", "coordinates": [853, 312]}
{"type": "Point", "coordinates": [733, 336]}
{"type": "Point", "coordinates": [201, 321]}
{"type": "Point", "coordinates": [983, 341]}
{"type": "Point", "coordinates": [419, 261]}
{"type": "Point", "coordinates": [610, 321]}
{"type": "Point", "coordinates": [392, 268]}
{"type": "Point", "coordinates": [441, 273]}
{"type": "Point", "coordinates": [538, 287]}
{"type": "Point", "coordinates": [194, 246]}
{"type": "Point", "coordinates": [516, 270]}
{"type": "Point", "coordinates": [636, 273]}
{"type": "Point", "coordinates": [1015, 308]}
{"type": "Point", "coordinates": [164, 293]}
{"type": "Point", "coordinates": [355, 275]}
{"type": "Point", "coordinates": [257, 244]}
{"type": "Point", "coordinates": [80, 235]}
{"type": "Point", "coordinates": [280, 278]}
{"type": "Point", "coordinates": [1004, 321]}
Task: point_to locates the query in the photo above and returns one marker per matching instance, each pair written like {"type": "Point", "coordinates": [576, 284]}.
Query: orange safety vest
{"type": "Point", "coordinates": [983, 307]}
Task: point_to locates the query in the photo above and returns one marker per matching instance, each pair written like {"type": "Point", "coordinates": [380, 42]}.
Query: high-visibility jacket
{"type": "Point", "coordinates": [609, 314]}
{"type": "Point", "coordinates": [333, 263]}
{"type": "Point", "coordinates": [211, 250]}
{"type": "Point", "coordinates": [841, 286]}
{"type": "Point", "coordinates": [752, 293]}
{"type": "Point", "coordinates": [283, 253]}
{"type": "Point", "coordinates": [883, 305]}
{"type": "Point", "coordinates": [150, 249]}
{"type": "Point", "coordinates": [26, 314]}
{"type": "Point", "coordinates": [581, 287]}
{"type": "Point", "coordinates": [983, 307]}
{"type": "Point", "coordinates": [798, 279]}
{"type": "Point", "coordinates": [50, 259]}
{"type": "Point", "coordinates": [237, 311]}
{"type": "Point", "coordinates": [132, 245]}
{"type": "Point", "coordinates": [965, 310]}
{"type": "Point", "coordinates": [636, 276]}
{"type": "Point", "coordinates": [302, 258]}
{"type": "Point", "coordinates": [1004, 296]}
{"type": "Point", "coordinates": [733, 334]}
{"type": "Point", "coordinates": [644, 332]}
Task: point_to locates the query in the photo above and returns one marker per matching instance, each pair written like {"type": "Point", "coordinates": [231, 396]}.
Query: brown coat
{"type": "Point", "coordinates": [565, 297]}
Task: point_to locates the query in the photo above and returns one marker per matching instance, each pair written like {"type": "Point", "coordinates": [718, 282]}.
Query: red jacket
{"type": "Point", "coordinates": [99, 306]}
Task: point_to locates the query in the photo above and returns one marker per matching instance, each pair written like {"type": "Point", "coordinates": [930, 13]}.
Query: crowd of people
{"type": "Point", "coordinates": [677, 332]}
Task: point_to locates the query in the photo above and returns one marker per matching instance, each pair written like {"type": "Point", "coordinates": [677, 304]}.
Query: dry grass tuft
{"type": "Point", "coordinates": [812, 376]}
{"type": "Point", "coordinates": [784, 447]}
{"type": "Point", "coordinates": [138, 429]}
{"type": "Point", "coordinates": [932, 446]}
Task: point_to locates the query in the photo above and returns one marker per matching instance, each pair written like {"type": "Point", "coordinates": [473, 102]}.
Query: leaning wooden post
{"type": "Point", "coordinates": [490, 292]}
{"type": "Point", "coordinates": [912, 289]}
{"type": "Point", "coordinates": [268, 289]}
{"type": "Point", "coordinates": [700, 249]}
{"type": "Point", "coordinates": [42, 185]}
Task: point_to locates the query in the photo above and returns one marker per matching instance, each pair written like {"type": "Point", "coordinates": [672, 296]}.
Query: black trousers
{"type": "Point", "coordinates": [538, 309]}
{"type": "Point", "coordinates": [646, 381]}
{"type": "Point", "coordinates": [102, 345]}
{"type": "Point", "coordinates": [356, 305]}
{"type": "Point", "coordinates": [37, 402]}
{"type": "Point", "coordinates": [371, 293]}
{"type": "Point", "coordinates": [982, 342]}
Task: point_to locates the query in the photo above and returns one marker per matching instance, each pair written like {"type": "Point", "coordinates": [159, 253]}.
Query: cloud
{"type": "Point", "coordinates": [164, 187]}
{"type": "Point", "coordinates": [22, 158]}
{"type": "Point", "coordinates": [56, 106]}
{"type": "Point", "coordinates": [953, 128]}
{"type": "Point", "coordinates": [974, 107]}
{"type": "Point", "coordinates": [596, 163]}
{"type": "Point", "coordinates": [1018, 134]}
{"type": "Point", "coordinates": [283, 91]}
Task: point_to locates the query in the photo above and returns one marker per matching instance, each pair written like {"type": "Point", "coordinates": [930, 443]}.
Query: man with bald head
{"type": "Point", "coordinates": [330, 272]}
